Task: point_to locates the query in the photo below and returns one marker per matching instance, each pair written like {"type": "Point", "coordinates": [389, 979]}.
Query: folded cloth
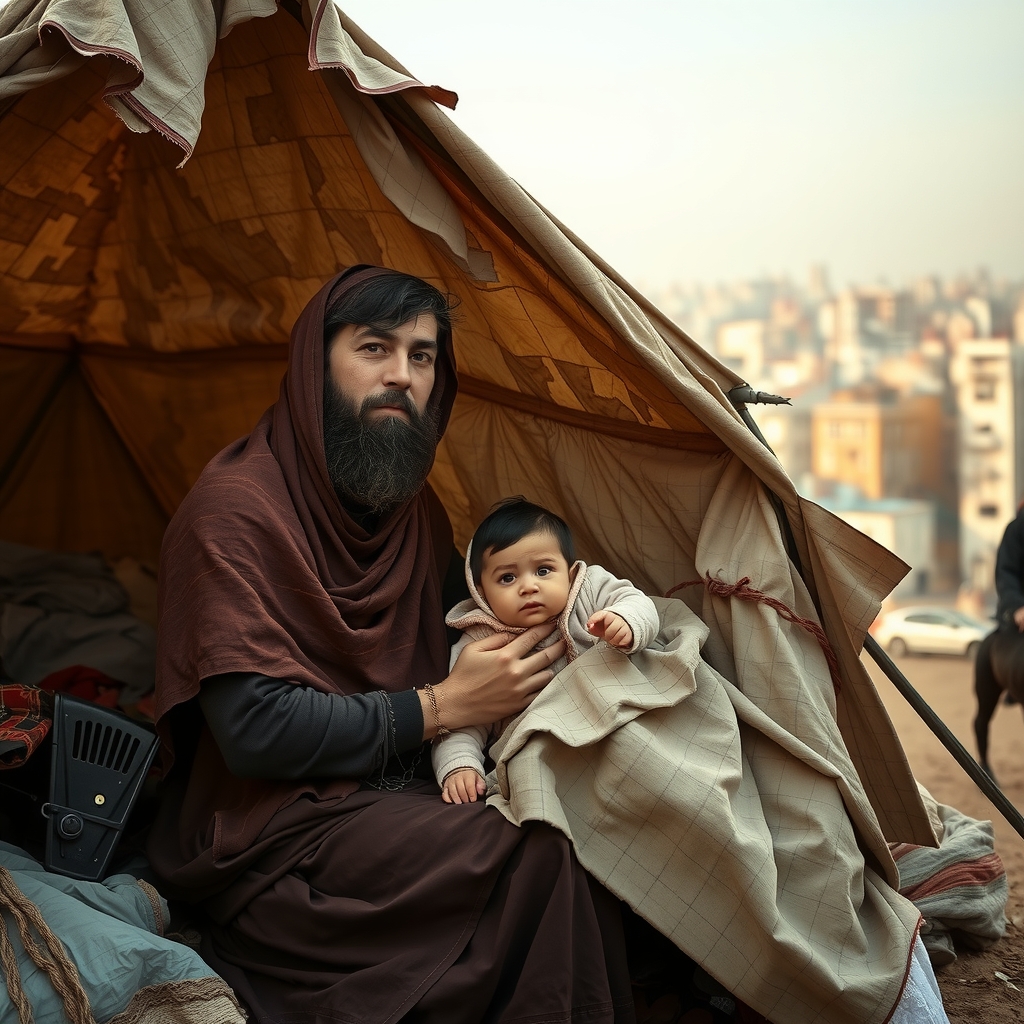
{"type": "Point", "coordinates": [26, 714]}
{"type": "Point", "coordinates": [85, 682]}
{"type": "Point", "coordinates": [960, 888]}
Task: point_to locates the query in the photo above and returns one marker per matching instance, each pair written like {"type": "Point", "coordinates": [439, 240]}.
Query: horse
{"type": "Point", "coordinates": [998, 668]}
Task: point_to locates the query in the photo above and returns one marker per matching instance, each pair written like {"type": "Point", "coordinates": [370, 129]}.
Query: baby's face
{"type": "Point", "coordinates": [528, 582]}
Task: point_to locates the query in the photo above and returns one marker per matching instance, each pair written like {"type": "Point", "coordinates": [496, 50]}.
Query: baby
{"type": "Point", "coordinates": [522, 571]}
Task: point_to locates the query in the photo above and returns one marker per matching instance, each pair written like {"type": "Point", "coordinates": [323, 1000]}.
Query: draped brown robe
{"type": "Point", "coordinates": [329, 901]}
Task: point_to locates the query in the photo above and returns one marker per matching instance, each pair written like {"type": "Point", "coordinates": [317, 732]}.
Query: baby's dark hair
{"type": "Point", "coordinates": [509, 521]}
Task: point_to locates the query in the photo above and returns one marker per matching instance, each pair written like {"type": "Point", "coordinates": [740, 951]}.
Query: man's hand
{"type": "Point", "coordinates": [493, 678]}
{"type": "Point", "coordinates": [463, 786]}
{"type": "Point", "coordinates": [1018, 617]}
{"type": "Point", "coordinates": [611, 628]}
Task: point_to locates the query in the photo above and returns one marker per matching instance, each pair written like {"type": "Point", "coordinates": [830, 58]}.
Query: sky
{"type": "Point", "coordinates": [715, 140]}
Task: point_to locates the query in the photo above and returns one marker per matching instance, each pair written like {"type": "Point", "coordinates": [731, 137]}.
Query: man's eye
{"type": "Point", "coordinates": [422, 357]}
{"type": "Point", "coordinates": [374, 347]}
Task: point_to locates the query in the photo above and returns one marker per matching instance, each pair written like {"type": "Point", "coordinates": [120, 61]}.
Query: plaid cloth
{"type": "Point", "coordinates": [26, 714]}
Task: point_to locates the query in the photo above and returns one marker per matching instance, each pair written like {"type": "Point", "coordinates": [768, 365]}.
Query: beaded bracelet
{"type": "Point", "coordinates": [439, 729]}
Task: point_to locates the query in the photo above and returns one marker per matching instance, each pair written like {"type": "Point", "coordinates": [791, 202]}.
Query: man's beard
{"type": "Point", "coordinates": [376, 465]}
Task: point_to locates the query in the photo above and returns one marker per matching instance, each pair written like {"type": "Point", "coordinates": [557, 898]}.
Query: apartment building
{"type": "Point", "coordinates": [887, 446]}
{"type": "Point", "coordinates": [863, 326]}
{"type": "Point", "coordinates": [988, 376]}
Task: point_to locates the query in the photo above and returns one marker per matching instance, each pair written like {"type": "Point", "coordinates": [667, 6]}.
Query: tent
{"type": "Point", "coordinates": [150, 272]}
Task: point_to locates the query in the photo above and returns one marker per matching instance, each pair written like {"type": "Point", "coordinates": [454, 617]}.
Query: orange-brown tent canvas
{"type": "Point", "coordinates": [150, 273]}
{"type": "Point", "coordinates": [177, 182]}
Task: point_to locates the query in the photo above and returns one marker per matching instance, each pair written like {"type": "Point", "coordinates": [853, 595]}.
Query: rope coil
{"type": "Point", "coordinates": [58, 966]}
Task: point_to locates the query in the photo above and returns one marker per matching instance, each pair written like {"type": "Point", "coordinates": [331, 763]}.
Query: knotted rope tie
{"type": "Point", "coordinates": [58, 967]}
{"type": "Point", "coordinates": [745, 592]}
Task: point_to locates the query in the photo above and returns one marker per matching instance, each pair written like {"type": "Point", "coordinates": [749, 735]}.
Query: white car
{"type": "Point", "coordinates": [929, 630]}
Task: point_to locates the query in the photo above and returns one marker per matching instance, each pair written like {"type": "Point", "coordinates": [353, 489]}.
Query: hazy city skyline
{"type": "Point", "coordinates": [708, 141]}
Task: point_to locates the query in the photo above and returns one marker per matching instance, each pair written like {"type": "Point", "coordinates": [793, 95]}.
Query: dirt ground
{"type": "Point", "coordinates": [971, 987]}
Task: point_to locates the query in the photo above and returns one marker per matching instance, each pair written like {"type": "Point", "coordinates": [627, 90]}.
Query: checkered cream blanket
{"type": "Point", "coordinates": [728, 832]}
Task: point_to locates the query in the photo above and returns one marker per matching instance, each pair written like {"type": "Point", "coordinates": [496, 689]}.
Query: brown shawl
{"type": "Point", "coordinates": [262, 570]}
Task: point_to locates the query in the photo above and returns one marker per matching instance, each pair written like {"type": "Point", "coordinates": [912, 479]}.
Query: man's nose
{"type": "Point", "coordinates": [396, 373]}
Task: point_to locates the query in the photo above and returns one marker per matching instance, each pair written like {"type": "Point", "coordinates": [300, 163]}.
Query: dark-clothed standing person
{"type": "Point", "coordinates": [999, 663]}
{"type": "Point", "coordinates": [1010, 576]}
{"type": "Point", "coordinates": [303, 665]}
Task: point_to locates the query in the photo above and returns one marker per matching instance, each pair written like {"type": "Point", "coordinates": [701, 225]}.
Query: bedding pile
{"type": "Point", "coordinates": [961, 888]}
{"type": "Point", "coordinates": [60, 610]}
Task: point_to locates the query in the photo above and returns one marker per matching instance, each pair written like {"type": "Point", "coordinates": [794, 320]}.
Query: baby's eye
{"type": "Point", "coordinates": [507, 578]}
{"type": "Point", "coordinates": [545, 570]}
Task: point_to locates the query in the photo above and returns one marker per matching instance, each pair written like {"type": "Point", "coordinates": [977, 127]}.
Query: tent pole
{"type": "Point", "coordinates": [740, 396]}
{"type": "Point", "coordinates": [978, 774]}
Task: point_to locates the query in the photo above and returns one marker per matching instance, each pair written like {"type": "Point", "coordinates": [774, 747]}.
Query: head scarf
{"type": "Point", "coordinates": [263, 570]}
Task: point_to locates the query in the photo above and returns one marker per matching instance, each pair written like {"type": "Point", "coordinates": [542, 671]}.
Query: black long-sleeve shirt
{"type": "Point", "coordinates": [270, 728]}
{"type": "Point", "coordinates": [273, 729]}
{"type": "Point", "coordinates": [1010, 572]}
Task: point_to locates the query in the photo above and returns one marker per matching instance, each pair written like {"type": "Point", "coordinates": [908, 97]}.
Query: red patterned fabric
{"type": "Point", "coordinates": [87, 683]}
{"type": "Point", "coordinates": [26, 714]}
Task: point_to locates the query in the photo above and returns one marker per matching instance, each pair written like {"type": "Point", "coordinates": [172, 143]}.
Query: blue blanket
{"type": "Point", "coordinates": [112, 932]}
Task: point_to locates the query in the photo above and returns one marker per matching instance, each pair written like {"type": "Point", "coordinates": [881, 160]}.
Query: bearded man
{"type": "Point", "coordinates": [302, 668]}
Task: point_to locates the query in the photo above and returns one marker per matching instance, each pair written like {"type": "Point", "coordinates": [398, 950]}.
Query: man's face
{"type": "Point", "coordinates": [391, 368]}
{"type": "Point", "coordinates": [528, 582]}
{"type": "Point", "coordinates": [379, 439]}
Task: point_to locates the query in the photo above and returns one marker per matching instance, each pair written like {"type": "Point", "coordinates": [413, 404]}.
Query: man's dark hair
{"type": "Point", "coordinates": [509, 521]}
{"type": "Point", "coordinates": [387, 301]}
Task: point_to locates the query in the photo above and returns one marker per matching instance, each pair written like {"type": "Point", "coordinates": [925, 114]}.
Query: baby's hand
{"type": "Point", "coordinates": [463, 786]}
{"type": "Point", "coordinates": [611, 628]}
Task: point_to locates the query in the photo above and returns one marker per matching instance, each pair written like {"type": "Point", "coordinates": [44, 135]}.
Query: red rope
{"type": "Point", "coordinates": [745, 592]}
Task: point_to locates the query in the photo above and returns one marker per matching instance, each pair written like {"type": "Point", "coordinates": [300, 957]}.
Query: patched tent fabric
{"type": "Point", "coordinates": [178, 180]}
